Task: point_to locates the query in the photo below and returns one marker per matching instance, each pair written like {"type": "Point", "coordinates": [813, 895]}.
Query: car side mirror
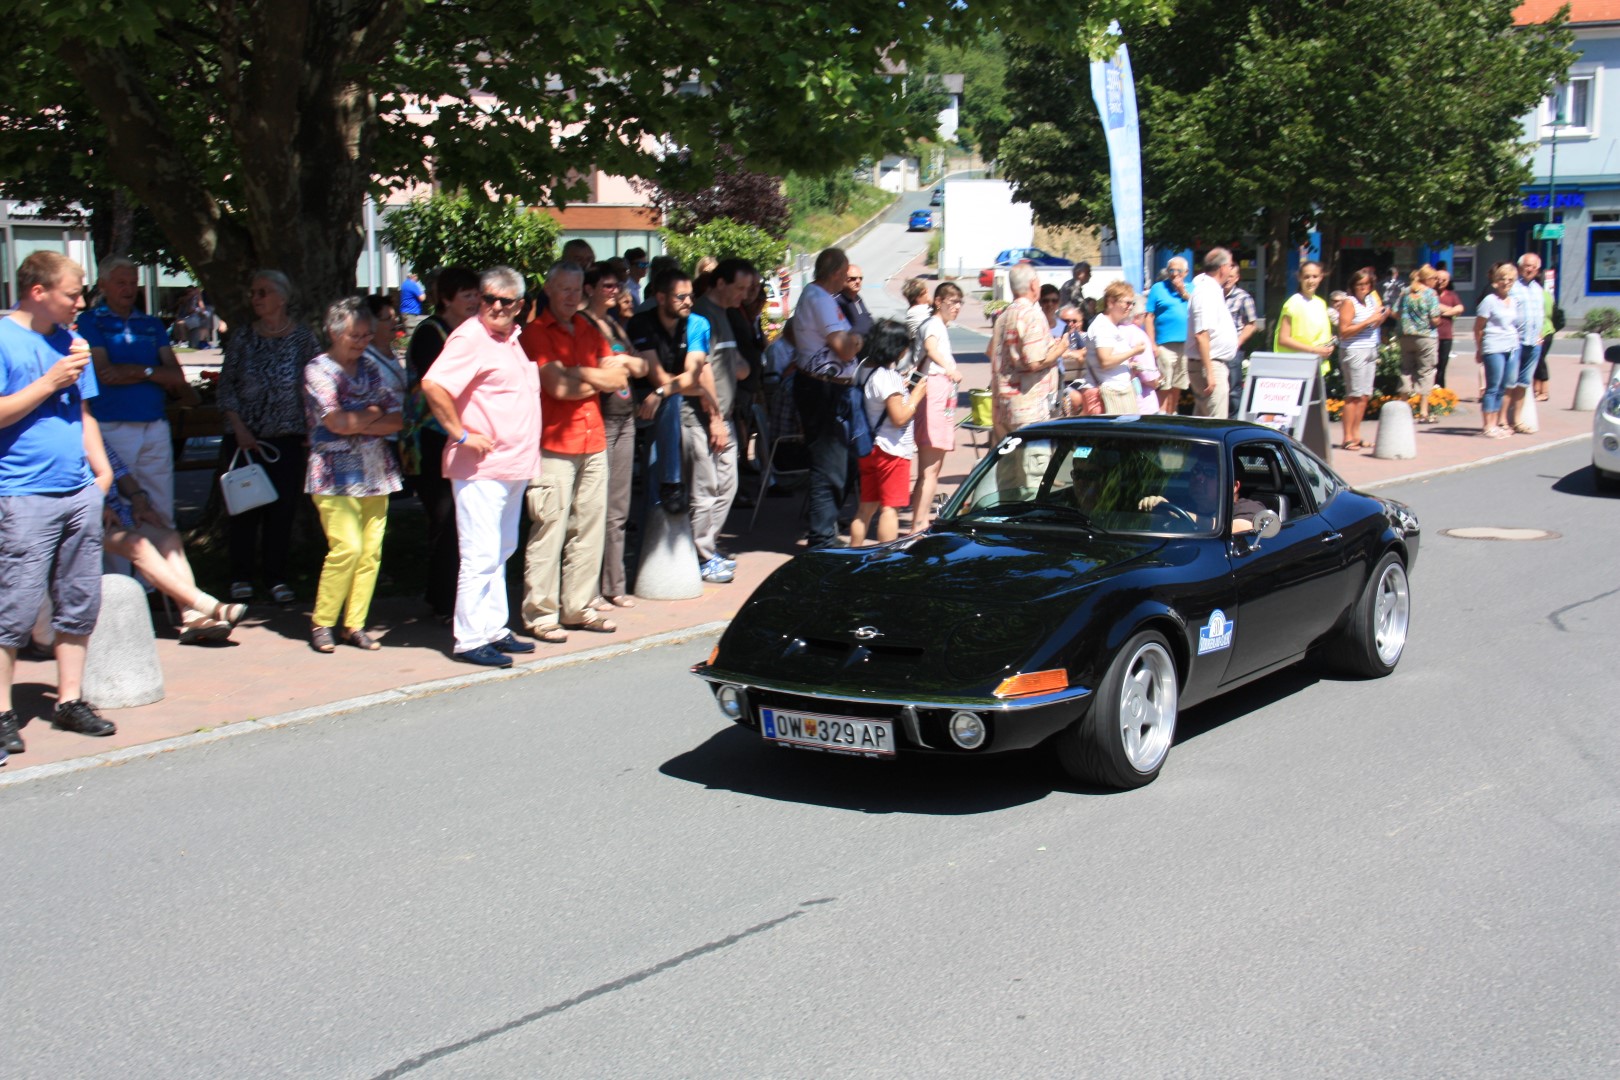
{"type": "Point", "coordinates": [1267, 525]}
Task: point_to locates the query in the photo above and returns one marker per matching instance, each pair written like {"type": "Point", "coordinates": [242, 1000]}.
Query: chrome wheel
{"type": "Point", "coordinates": [1392, 607]}
{"type": "Point", "coordinates": [1147, 707]}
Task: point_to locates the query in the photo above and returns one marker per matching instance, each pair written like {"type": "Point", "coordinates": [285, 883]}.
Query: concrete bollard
{"type": "Point", "coordinates": [1592, 350]}
{"type": "Point", "coordinates": [121, 668]}
{"type": "Point", "coordinates": [1588, 387]}
{"type": "Point", "coordinates": [1397, 433]}
{"type": "Point", "coordinates": [669, 562]}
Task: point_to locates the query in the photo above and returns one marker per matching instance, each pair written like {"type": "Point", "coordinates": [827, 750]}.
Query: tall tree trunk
{"type": "Point", "coordinates": [303, 128]}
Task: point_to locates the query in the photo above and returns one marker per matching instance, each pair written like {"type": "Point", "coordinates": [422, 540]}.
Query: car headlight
{"type": "Point", "coordinates": [1611, 404]}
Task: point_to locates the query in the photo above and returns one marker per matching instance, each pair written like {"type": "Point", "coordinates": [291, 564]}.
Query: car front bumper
{"type": "Point", "coordinates": [920, 719]}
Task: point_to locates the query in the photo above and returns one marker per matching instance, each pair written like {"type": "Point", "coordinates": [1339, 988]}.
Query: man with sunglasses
{"type": "Point", "coordinates": [636, 260]}
{"type": "Point", "coordinates": [1204, 491]}
{"type": "Point", "coordinates": [485, 393]}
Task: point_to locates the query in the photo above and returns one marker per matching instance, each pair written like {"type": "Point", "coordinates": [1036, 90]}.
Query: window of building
{"type": "Point", "coordinates": [1603, 261]}
{"type": "Point", "coordinates": [1570, 107]}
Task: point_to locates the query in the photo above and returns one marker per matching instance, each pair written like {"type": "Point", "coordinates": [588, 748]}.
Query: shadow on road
{"type": "Point", "coordinates": [735, 759]}
{"type": "Point", "coordinates": [1582, 481]}
{"type": "Point", "coordinates": [738, 760]}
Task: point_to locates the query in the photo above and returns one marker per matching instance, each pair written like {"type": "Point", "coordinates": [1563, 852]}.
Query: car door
{"type": "Point", "coordinates": [1288, 585]}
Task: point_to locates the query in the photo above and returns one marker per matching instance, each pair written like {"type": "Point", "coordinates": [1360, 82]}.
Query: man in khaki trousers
{"type": "Point", "coordinates": [567, 502]}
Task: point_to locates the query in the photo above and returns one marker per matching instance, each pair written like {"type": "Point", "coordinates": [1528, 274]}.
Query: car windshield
{"type": "Point", "coordinates": [1098, 482]}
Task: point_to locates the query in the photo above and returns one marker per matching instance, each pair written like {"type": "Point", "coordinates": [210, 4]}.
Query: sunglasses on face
{"type": "Point", "coordinates": [500, 301]}
{"type": "Point", "coordinates": [1204, 472]}
{"type": "Point", "coordinates": [1072, 322]}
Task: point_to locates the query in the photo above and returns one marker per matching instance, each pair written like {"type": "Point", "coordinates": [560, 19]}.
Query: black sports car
{"type": "Point", "coordinates": [1089, 579]}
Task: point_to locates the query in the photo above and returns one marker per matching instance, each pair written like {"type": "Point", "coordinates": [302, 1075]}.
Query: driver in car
{"type": "Point", "coordinates": [1204, 488]}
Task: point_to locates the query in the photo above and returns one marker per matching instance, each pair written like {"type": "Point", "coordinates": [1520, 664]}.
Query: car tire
{"type": "Point", "coordinates": [1125, 736]}
{"type": "Point", "coordinates": [1606, 480]}
{"type": "Point", "coordinates": [1372, 644]}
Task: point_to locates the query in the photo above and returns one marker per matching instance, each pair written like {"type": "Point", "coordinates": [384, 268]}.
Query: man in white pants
{"type": "Point", "coordinates": [486, 395]}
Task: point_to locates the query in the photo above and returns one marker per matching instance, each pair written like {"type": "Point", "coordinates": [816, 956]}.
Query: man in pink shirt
{"type": "Point", "coordinates": [486, 395]}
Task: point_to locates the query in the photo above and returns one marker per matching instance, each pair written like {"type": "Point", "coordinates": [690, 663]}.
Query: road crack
{"type": "Point", "coordinates": [412, 1064]}
{"type": "Point", "coordinates": [1557, 617]}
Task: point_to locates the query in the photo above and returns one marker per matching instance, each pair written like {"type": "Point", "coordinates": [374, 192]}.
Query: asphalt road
{"type": "Point", "coordinates": [887, 249]}
{"type": "Point", "coordinates": [589, 873]}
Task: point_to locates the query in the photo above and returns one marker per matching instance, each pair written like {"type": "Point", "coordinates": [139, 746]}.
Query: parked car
{"type": "Point", "coordinates": [1090, 579]}
{"type": "Point", "coordinates": [920, 219]}
{"type": "Point", "coordinates": [1013, 256]}
{"type": "Point", "coordinates": [1606, 432]}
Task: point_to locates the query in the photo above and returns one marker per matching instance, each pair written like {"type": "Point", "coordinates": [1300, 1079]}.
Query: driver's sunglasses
{"type": "Point", "coordinates": [1205, 472]}
{"type": "Point", "coordinates": [500, 301]}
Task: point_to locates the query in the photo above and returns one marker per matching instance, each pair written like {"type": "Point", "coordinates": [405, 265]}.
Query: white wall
{"type": "Point", "coordinates": [982, 219]}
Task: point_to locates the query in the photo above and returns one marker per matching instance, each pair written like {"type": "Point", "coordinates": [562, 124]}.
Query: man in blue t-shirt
{"type": "Point", "coordinates": [137, 373]}
{"type": "Point", "coordinates": [410, 301]}
{"type": "Point", "coordinates": [53, 478]}
{"type": "Point", "coordinates": [1166, 326]}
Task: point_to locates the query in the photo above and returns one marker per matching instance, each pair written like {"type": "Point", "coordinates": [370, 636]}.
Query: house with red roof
{"type": "Point", "coordinates": [1576, 133]}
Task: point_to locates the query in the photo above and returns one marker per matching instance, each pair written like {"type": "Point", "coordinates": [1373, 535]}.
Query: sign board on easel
{"type": "Point", "coordinates": [1285, 391]}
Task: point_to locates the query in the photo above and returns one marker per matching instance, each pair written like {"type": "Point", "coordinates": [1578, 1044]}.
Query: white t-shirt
{"type": "Point", "coordinates": [817, 316]}
{"type": "Point", "coordinates": [1208, 311]}
{"type": "Point", "coordinates": [1103, 334]}
{"type": "Point", "coordinates": [935, 330]}
{"type": "Point", "coordinates": [886, 436]}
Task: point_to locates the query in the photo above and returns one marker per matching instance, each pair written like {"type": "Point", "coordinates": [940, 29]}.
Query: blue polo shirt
{"type": "Point", "coordinates": [410, 297]}
{"type": "Point", "coordinates": [43, 453]}
{"type": "Point", "coordinates": [1169, 313]}
{"type": "Point", "coordinates": [135, 341]}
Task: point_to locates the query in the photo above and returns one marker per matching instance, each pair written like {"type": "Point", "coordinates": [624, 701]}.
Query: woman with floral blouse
{"type": "Point", "coordinates": [351, 409]}
{"type": "Point", "coordinates": [260, 393]}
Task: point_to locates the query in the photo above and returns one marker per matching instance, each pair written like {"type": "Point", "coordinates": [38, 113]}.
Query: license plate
{"type": "Point", "coordinates": [834, 734]}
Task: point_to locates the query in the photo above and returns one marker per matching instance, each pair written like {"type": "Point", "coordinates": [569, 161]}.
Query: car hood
{"type": "Point", "coordinates": [948, 610]}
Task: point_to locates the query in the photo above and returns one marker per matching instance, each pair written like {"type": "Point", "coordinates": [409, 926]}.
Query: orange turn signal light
{"type": "Point", "coordinates": [1034, 682]}
{"type": "Point", "coordinates": [714, 653]}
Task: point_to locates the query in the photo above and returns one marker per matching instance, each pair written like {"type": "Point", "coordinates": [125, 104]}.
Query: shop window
{"type": "Point", "coordinates": [1603, 261]}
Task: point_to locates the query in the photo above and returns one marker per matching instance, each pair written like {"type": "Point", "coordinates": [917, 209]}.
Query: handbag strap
{"type": "Point", "coordinates": [266, 450]}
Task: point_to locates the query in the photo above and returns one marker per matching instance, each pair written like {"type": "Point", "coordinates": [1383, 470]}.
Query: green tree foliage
{"type": "Point", "coordinates": [982, 63]}
{"type": "Point", "coordinates": [459, 230]}
{"type": "Point", "coordinates": [724, 238]}
{"type": "Point", "coordinates": [1399, 119]}
{"type": "Point", "coordinates": [253, 132]}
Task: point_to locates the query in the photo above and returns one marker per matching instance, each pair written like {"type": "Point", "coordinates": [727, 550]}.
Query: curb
{"type": "Point", "coordinates": [1463, 465]}
{"type": "Point", "coordinates": [855, 234]}
{"type": "Point", "coordinates": [337, 708]}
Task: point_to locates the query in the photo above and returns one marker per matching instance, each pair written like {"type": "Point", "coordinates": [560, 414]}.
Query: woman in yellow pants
{"type": "Point", "coordinates": [351, 409]}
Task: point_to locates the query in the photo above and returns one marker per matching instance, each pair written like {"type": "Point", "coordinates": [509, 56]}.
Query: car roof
{"type": "Point", "coordinates": [1181, 427]}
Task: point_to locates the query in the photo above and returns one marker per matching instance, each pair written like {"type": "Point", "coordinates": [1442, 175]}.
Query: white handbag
{"type": "Point", "coordinates": [248, 487]}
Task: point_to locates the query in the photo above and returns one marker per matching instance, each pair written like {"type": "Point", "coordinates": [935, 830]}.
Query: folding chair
{"type": "Point", "coordinates": [765, 448]}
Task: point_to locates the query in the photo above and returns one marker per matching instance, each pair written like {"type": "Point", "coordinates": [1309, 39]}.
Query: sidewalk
{"type": "Point", "coordinates": [269, 675]}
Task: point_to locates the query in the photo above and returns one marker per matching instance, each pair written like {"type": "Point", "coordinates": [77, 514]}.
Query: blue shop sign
{"type": "Point", "coordinates": [1564, 200]}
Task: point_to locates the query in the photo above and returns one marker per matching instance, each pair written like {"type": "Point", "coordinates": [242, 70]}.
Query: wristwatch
{"type": "Point", "coordinates": [147, 372]}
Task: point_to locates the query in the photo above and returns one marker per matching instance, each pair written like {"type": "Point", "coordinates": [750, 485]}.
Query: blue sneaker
{"type": "Point", "coordinates": [510, 644]}
{"type": "Point", "coordinates": [484, 655]}
{"type": "Point", "coordinates": [716, 572]}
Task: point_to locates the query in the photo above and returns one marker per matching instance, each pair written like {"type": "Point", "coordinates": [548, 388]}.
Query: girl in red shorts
{"type": "Point", "coordinates": [891, 401]}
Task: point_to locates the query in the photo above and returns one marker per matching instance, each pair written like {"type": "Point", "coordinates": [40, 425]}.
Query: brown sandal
{"type": "Point", "coordinates": [320, 639]}
{"type": "Point", "coordinates": [357, 637]}
{"type": "Point", "coordinates": [597, 625]}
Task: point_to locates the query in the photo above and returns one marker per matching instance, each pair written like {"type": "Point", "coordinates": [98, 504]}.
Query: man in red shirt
{"type": "Point", "coordinates": [567, 502]}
